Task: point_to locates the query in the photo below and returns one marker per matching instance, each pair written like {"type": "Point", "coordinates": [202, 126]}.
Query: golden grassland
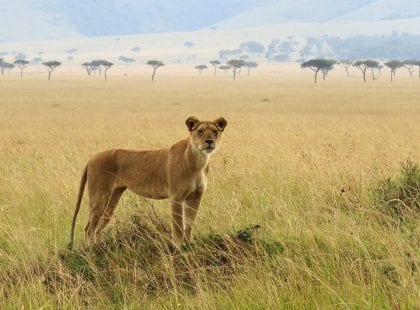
{"type": "Point", "coordinates": [297, 158]}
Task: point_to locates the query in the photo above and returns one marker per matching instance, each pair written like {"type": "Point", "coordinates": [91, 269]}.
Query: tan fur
{"type": "Point", "coordinates": [178, 173]}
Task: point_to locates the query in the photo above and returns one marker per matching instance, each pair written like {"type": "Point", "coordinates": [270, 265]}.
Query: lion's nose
{"type": "Point", "coordinates": [209, 141]}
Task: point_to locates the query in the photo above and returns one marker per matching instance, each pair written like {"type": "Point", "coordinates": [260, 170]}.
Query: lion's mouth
{"type": "Point", "coordinates": [208, 149]}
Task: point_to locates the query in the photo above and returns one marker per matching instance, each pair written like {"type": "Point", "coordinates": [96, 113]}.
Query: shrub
{"type": "Point", "coordinates": [400, 196]}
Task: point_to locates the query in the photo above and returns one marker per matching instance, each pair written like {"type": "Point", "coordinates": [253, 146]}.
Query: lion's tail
{"type": "Point", "coordinates": [76, 211]}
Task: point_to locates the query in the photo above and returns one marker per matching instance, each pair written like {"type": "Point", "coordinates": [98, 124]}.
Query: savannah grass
{"type": "Point", "coordinates": [307, 163]}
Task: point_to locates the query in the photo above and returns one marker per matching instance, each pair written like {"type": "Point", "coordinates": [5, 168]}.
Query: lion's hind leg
{"type": "Point", "coordinates": [109, 210]}
{"type": "Point", "coordinates": [97, 206]}
{"type": "Point", "coordinates": [100, 196]}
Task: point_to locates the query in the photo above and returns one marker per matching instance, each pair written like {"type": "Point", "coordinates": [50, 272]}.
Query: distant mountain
{"type": "Point", "coordinates": [385, 10]}
{"type": "Point", "coordinates": [33, 20]}
{"type": "Point", "coordinates": [280, 11]}
{"type": "Point", "coordinates": [119, 17]}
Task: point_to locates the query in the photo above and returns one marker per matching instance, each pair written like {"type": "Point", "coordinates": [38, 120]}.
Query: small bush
{"type": "Point", "coordinates": [400, 196]}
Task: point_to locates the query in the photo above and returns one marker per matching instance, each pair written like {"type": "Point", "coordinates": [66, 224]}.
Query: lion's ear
{"type": "Point", "coordinates": [221, 122]}
{"type": "Point", "coordinates": [192, 123]}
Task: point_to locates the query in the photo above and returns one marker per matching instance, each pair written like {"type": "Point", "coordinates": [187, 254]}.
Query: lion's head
{"type": "Point", "coordinates": [205, 136]}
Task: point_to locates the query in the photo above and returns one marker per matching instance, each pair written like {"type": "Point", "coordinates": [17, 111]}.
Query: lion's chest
{"type": "Point", "coordinates": [200, 183]}
{"type": "Point", "coordinates": [195, 184]}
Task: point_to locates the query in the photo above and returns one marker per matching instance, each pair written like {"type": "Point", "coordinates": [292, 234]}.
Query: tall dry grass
{"type": "Point", "coordinates": [298, 159]}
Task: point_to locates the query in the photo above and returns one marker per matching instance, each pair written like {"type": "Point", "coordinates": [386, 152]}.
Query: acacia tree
{"type": "Point", "coordinates": [225, 68]}
{"type": "Point", "coordinates": [417, 63]}
{"type": "Point", "coordinates": [380, 67]}
{"type": "Point", "coordinates": [71, 51]}
{"type": "Point", "coordinates": [126, 60]}
{"type": "Point", "coordinates": [236, 65]}
{"type": "Point", "coordinates": [372, 65]}
{"type": "Point", "coordinates": [107, 65]}
{"type": "Point", "coordinates": [70, 54]}
{"type": "Point", "coordinates": [96, 65]}
{"type": "Point", "coordinates": [5, 66]}
{"type": "Point", "coordinates": [409, 65]}
{"type": "Point", "coordinates": [364, 65]}
{"type": "Point", "coordinates": [36, 61]}
{"type": "Point", "coordinates": [155, 64]}
{"type": "Point", "coordinates": [88, 67]}
{"type": "Point", "coordinates": [200, 68]}
{"type": "Point", "coordinates": [70, 58]}
{"type": "Point", "coordinates": [51, 65]}
{"type": "Point", "coordinates": [21, 64]}
{"type": "Point", "coordinates": [319, 65]}
{"type": "Point", "coordinates": [250, 64]}
{"type": "Point", "coordinates": [329, 65]}
{"type": "Point", "coordinates": [394, 65]}
{"type": "Point", "coordinates": [346, 65]}
{"type": "Point", "coordinates": [136, 50]}
{"type": "Point", "coordinates": [215, 63]}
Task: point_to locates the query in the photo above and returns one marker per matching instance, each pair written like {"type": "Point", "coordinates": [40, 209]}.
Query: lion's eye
{"type": "Point", "coordinates": [200, 131]}
{"type": "Point", "coordinates": [215, 132]}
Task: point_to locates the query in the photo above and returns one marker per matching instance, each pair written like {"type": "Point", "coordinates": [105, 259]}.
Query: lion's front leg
{"type": "Point", "coordinates": [192, 203]}
{"type": "Point", "coordinates": [177, 221]}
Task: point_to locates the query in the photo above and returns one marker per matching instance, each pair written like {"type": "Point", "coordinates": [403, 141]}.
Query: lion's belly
{"type": "Point", "coordinates": [144, 173]}
{"type": "Point", "coordinates": [151, 187]}
{"type": "Point", "coordinates": [151, 193]}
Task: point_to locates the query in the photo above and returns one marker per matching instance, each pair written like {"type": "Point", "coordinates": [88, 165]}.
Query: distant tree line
{"type": "Point", "coordinates": [235, 65]}
{"type": "Point", "coordinates": [320, 66]}
{"type": "Point", "coordinates": [324, 66]}
{"type": "Point", "coordinates": [394, 46]}
{"type": "Point", "coordinates": [97, 66]}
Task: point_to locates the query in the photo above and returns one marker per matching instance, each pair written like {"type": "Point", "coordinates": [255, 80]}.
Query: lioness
{"type": "Point", "coordinates": [178, 173]}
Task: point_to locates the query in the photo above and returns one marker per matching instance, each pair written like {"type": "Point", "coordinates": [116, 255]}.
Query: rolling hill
{"type": "Point", "coordinates": [287, 29]}
{"type": "Point", "coordinates": [19, 21]}
{"type": "Point", "coordinates": [59, 19]}
{"type": "Point", "coordinates": [275, 12]}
